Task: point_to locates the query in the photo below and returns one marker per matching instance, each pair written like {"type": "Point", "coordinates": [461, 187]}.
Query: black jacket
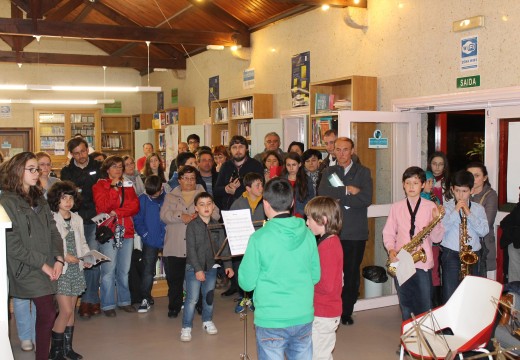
{"type": "Point", "coordinates": [84, 179]}
{"type": "Point", "coordinates": [511, 229]}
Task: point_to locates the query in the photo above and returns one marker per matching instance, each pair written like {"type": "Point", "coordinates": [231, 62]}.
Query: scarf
{"type": "Point", "coordinates": [252, 203]}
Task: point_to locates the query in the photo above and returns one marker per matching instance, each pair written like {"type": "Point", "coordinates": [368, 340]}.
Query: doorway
{"type": "Point", "coordinates": [458, 134]}
{"type": "Point", "coordinates": [15, 140]}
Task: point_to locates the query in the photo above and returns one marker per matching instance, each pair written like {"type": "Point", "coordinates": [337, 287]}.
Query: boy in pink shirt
{"type": "Point", "coordinates": [407, 218]}
{"type": "Point", "coordinates": [324, 220]}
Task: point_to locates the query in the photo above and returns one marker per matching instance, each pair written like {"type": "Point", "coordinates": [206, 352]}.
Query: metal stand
{"type": "Point", "coordinates": [246, 303]}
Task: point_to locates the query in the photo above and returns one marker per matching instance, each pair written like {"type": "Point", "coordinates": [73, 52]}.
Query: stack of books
{"type": "Point", "coordinates": [343, 104]}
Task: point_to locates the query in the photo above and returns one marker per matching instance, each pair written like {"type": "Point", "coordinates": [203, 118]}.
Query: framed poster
{"type": "Point", "coordinates": [300, 78]}
{"type": "Point", "coordinates": [213, 91]}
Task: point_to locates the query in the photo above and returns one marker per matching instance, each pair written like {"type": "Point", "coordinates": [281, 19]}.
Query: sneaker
{"type": "Point", "coordinates": [240, 305]}
{"type": "Point", "coordinates": [209, 327]}
{"type": "Point", "coordinates": [251, 305]}
{"type": "Point", "coordinates": [144, 307]}
{"type": "Point", "coordinates": [27, 345]}
{"type": "Point", "coordinates": [186, 334]}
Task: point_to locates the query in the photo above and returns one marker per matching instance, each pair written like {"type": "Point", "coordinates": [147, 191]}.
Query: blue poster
{"type": "Point", "coordinates": [469, 53]}
{"type": "Point", "coordinates": [213, 91]}
{"type": "Point", "coordinates": [300, 78]}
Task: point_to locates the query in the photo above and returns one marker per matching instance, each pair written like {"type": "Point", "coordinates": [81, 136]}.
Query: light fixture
{"type": "Point", "coordinates": [215, 47]}
{"type": "Point", "coordinates": [81, 88]}
{"type": "Point", "coordinates": [469, 23]}
{"type": "Point", "coordinates": [325, 7]}
{"type": "Point", "coordinates": [56, 101]}
{"type": "Point", "coordinates": [235, 47]}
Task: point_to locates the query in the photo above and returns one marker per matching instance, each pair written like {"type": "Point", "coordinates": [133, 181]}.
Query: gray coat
{"type": "Point", "coordinates": [488, 198]}
{"type": "Point", "coordinates": [33, 241]}
{"type": "Point", "coordinates": [201, 250]}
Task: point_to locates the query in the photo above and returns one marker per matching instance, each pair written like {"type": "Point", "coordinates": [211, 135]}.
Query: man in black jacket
{"type": "Point", "coordinates": [84, 172]}
{"type": "Point", "coordinates": [355, 196]}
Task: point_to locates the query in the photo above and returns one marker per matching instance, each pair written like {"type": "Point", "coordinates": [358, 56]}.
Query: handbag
{"type": "Point", "coordinates": [104, 231]}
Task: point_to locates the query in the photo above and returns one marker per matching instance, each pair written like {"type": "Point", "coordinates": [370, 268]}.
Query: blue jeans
{"type": "Point", "coordinates": [115, 273]}
{"type": "Point", "coordinates": [415, 295]}
{"type": "Point", "coordinates": [91, 294]}
{"type": "Point", "coordinates": [450, 263]}
{"type": "Point", "coordinates": [295, 342]}
{"type": "Point", "coordinates": [25, 315]}
{"type": "Point", "coordinates": [193, 287]}
{"type": "Point", "coordinates": [149, 257]}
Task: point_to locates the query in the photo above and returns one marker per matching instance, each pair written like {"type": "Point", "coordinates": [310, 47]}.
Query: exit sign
{"type": "Point", "coordinates": [468, 81]}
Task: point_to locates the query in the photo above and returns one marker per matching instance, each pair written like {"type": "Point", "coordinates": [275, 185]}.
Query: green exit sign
{"type": "Point", "coordinates": [468, 81]}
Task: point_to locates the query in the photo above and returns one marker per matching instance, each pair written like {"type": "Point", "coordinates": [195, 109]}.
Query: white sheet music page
{"type": "Point", "coordinates": [406, 267]}
{"type": "Point", "coordinates": [239, 228]}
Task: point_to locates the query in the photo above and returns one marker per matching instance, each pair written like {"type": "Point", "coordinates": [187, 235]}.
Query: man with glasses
{"type": "Point", "coordinates": [193, 142]}
{"type": "Point", "coordinates": [355, 196]}
{"type": "Point", "coordinates": [84, 172]}
{"type": "Point", "coordinates": [271, 143]}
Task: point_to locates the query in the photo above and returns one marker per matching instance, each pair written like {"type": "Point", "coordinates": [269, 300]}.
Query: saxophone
{"type": "Point", "coordinates": [466, 256]}
{"type": "Point", "coordinates": [417, 240]}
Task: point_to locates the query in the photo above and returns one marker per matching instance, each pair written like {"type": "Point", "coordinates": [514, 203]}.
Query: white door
{"type": "Point", "coordinates": [294, 129]}
{"type": "Point", "coordinates": [187, 130]}
{"type": "Point", "coordinates": [403, 131]}
{"type": "Point", "coordinates": [260, 127]}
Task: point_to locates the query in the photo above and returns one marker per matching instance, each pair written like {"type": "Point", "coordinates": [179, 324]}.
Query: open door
{"type": "Point", "coordinates": [386, 164]}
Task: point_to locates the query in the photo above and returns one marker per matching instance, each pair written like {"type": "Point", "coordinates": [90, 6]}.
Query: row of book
{"type": "Point", "coordinates": [81, 118]}
{"type": "Point", "coordinates": [320, 126]}
{"type": "Point", "coordinates": [325, 103]}
{"type": "Point", "coordinates": [164, 118]}
{"type": "Point", "coordinates": [48, 142]}
{"type": "Point", "coordinates": [112, 142]}
{"type": "Point", "coordinates": [224, 136]}
{"type": "Point", "coordinates": [51, 118]}
{"type": "Point", "coordinates": [242, 108]}
{"type": "Point", "coordinates": [220, 114]}
{"type": "Point", "coordinates": [84, 132]}
{"type": "Point", "coordinates": [244, 129]}
{"type": "Point", "coordinates": [52, 130]}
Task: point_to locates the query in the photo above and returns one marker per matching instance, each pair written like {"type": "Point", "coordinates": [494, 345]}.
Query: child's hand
{"type": "Point", "coordinates": [87, 265]}
{"type": "Point", "coordinates": [47, 270]}
{"type": "Point", "coordinates": [71, 259]}
{"type": "Point", "coordinates": [56, 271]}
{"type": "Point", "coordinates": [199, 275]}
{"type": "Point", "coordinates": [436, 212]}
{"type": "Point", "coordinates": [229, 272]}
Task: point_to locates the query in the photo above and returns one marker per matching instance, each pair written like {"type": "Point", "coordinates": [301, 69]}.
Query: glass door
{"type": "Point", "coordinates": [387, 143]}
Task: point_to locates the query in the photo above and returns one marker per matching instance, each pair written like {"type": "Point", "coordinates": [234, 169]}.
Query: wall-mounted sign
{"type": "Point", "coordinates": [114, 108]}
{"type": "Point", "coordinates": [469, 53]}
{"type": "Point", "coordinates": [378, 141]}
{"type": "Point", "coordinates": [468, 81]}
{"type": "Point", "coordinates": [248, 78]}
{"type": "Point", "coordinates": [5, 112]}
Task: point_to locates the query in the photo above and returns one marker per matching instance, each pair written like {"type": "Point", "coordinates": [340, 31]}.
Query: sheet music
{"type": "Point", "coordinates": [239, 228]}
{"type": "Point", "coordinates": [406, 266]}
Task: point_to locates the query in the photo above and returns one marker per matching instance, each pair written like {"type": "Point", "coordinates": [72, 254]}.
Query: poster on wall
{"type": "Point", "coordinates": [213, 91]}
{"type": "Point", "coordinates": [5, 112]}
{"type": "Point", "coordinates": [300, 76]}
{"type": "Point", "coordinates": [248, 79]}
{"type": "Point", "coordinates": [469, 53]}
{"type": "Point", "coordinates": [175, 96]}
{"type": "Point", "coordinates": [160, 101]}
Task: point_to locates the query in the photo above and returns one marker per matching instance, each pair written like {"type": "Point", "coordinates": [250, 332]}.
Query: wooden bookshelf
{"type": "Point", "coordinates": [232, 116]}
{"type": "Point", "coordinates": [117, 135]}
{"type": "Point", "coordinates": [360, 93]}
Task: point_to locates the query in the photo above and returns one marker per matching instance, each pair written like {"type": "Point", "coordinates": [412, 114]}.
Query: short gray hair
{"type": "Point", "coordinates": [272, 133]}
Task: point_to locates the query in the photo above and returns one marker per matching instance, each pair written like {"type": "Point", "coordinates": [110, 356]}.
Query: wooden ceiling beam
{"type": "Point", "coordinates": [84, 13]}
{"type": "Point", "coordinates": [336, 3]}
{"type": "Point", "coordinates": [63, 11]}
{"type": "Point", "coordinates": [90, 60]}
{"type": "Point", "coordinates": [121, 33]}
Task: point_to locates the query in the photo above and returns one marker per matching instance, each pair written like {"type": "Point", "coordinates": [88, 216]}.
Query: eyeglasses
{"type": "Point", "coordinates": [34, 170]}
{"type": "Point", "coordinates": [193, 142]}
{"type": "Point", "coordinates": [190, 179]}
{"type": "Point", "coordinates": [117, 167]}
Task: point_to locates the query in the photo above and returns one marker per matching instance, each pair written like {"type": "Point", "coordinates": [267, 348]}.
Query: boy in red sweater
{"type": "Point", "coordinates": [324, 220]}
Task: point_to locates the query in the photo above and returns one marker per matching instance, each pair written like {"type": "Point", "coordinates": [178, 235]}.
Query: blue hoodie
{"type": "Point", "coordinates": [148, 223]}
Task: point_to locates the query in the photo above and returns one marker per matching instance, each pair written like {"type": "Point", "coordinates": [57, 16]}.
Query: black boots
{"type": "Point", "coordinates": [68, 352]}
{"type": "Point", "coordinates": [56, 352]}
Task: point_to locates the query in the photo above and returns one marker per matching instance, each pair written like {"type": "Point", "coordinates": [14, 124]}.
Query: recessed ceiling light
{"type": "Point", "coordinates": [325, 7]}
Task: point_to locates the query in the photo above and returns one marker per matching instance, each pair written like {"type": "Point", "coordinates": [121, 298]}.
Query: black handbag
{"type": "Point", "coordinates": [104, 234]}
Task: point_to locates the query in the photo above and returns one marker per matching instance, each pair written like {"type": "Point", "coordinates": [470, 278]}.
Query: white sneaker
{"type": "Point", "coordinates": [186, 334]}
{"type": "Point", "coordinates": [209, 327]}
{"type": "Point", "coordinates": [27, 345]}
{"type": "Point", "coordinates": [144, 307]}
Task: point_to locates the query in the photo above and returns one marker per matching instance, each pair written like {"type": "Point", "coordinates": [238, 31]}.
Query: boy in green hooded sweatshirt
{"type": "Point", "coordinates": [282, 265]}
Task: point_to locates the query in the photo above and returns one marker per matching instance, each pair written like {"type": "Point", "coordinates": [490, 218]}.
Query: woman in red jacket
{"type": "Point", "coordinates": [116, 197]}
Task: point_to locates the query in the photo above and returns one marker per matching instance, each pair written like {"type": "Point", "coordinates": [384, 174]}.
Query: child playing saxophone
{"type": "Point", "coordinates": [407, 218]}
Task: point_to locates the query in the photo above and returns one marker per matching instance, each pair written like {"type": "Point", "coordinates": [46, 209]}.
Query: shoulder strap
{"type": "Point", "coordinates": [484, 197]}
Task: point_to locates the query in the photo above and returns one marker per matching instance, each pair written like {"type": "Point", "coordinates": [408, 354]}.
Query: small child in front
{"type": "Point", "coordinates": [324, 220]}
{"type": "Point", "coordinates": [407, 218]}
{"type": "Point", "coordinates": [282, 265]}
{"type": "Point", "coordinates": [201, 272]}
{"type": "Point", "coordinates": [477, 227]}
{"type": "Point", "coordinates": [61, 197]}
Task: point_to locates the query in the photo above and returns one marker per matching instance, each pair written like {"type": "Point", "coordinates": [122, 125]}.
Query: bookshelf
{"type": "Point", "coordinates": [177, 116]}
{"type": "Point", "coordinates": [142, 121]}
{"type": "Point", "coordinates": [330, 96]}
{"type": "Point", "coordinates": [232, 116]}
{"type": "Point", "coordinates": [55, 127]}
{"type": "Point", "coordinates": [117, 135]}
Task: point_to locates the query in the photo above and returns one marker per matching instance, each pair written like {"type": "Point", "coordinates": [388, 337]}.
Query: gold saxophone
{"type": "Point", "coordinates": [416, 241]}
{"type": "Point", "coordinates": [466, 256]}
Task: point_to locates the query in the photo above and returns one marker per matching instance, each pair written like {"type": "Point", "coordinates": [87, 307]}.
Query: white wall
{"type": "Point", "coordinates": [409, 46]}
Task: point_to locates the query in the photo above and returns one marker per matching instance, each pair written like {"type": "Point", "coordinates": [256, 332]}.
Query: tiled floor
{"type": "Point", "coordinates": [375, 335]}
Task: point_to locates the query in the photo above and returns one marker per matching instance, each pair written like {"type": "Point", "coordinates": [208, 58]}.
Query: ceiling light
{"type": "Point", "coordinates": [215, 47]}
{"type": "Point", "coordinates": [325, 7]}
{"type": "Point", "coordinates": [356, 2]}
{"type": "Point", "coordinates": [81, 88]}
{"type": "Point", "coordinates": [56, 101]}
{"type": "Point", "coordinates": [235, 47]}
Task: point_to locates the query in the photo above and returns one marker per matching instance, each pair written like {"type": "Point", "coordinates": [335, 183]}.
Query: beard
{"type": "Point", "coordinates": [239, 158]}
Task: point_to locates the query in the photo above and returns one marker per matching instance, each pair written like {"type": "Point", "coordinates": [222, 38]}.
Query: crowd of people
{"type": "Point", "coordinates": [316, 237]}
